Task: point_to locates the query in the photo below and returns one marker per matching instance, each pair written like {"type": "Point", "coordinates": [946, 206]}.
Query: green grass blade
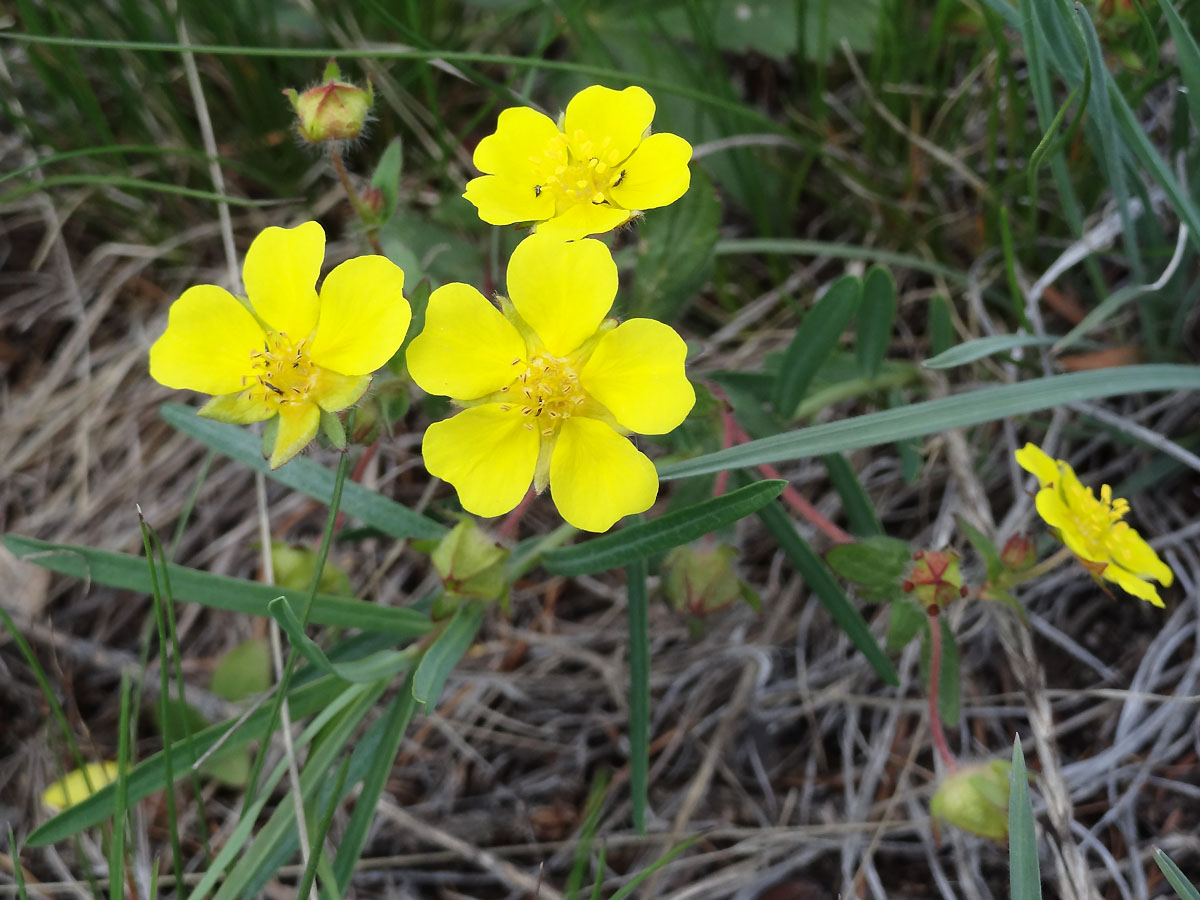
{"type": "Point", "coordinates": [381, 665]}
{"type": "Point", "coordinates": [1188, 56]}
{"type": "Point", "coordinates": [639, 689]}
{"type": "Point", "coordinates": [795, 247]}
{"type": "Point", "coordinates": [1175, 877]}
{"type": "Point", "coordinates": [857, 505]}
{"type": "Point", "coordinates": [1025, 881]}
{"type": "Point", "coordinates": [646, 539]}
{"type": "Point", "coordinates": [587, 835]}
{"type": "Point", "coordinates": [395, 722]}
{"type": "Point", "coordinates": [18, 871]}
{"type": "Point", "coordinates": [932, 416]}
{"type": "Point", "coordinates": [444, 653]}
{"type": "Point", "coordinates": [303, 475]}
{"type": "Point", "coordinates": [129, 184]}
{"type": "Point", "coordinates": [654, 867]}
{"type": "Point", "coordinates": [149, 775]}
{"type": "Point", "coordinates": [819, 580]}
{"type": "Point", "coordinates": [816, 338]}
{"type": "Point", "coordinates": [116, 849]}
{"type": "Point", "coordinates": [876, 315]}
{"type": "Point", "coordinates": [980, 348]}
{"type": "Point", "coordinates": [322, 829]}
{"type": "Point", "coordinates": [121, 570]}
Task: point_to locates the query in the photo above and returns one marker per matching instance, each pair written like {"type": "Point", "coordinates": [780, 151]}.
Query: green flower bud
{"type": "Point", "coordinates": [975, 798]}
{"type": "Point", "coordinates": [700, 581]}
{"type": "Point", "coordinates": [294, 567]}
{"type": "Point", "coordinates": [1019, 553]}
{"type": "Point", "coordinates": [935, 580]}
{"type": "Point", "coordinates": [471, 563]}
{"type": "Point", "coordinates": [334, 110]}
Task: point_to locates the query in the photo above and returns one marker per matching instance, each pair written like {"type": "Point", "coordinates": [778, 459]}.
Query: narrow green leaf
{"type": "Point", "coordinates": [443, 655]}
{"type": "Point", "coordinates": [317, 835]}
{"type": "Point", "coordinates": [941, 326]}
{"type": "Point", "coordinates": [18, 870]}
{"type": "Point", "coordinates": [983, 546]}
{"type": "Point", "coordinates": [969, 351]}
{"type": "Point", "coordinates": [646, 539]}
{"type": "Point", "coordinates": [116, 850]}
{"type": "Point", "coordinates": [641, 876]}
{"type": "Point", "coordinates": [386, 177]}
{"type": "Point", "coordinates": [383, 664]}
{"type": "Point", "coordinates": [794, 247]}
{"type": "Point", "coordinates": [1025, 880]}
{"type": "Point", "coordinates": [148, 776]}
{"type": "Point", "coordinates": [675, 247]}
{"type": "Point", "coordinates": [815, 339]}
{"type": "Point", "coordinates": [303, 475]}
{"type": "Point", "coordinates": [904, 623]}
{"type": "Point", "coordinates": [639, 689]}
{"type": "Point", "coordinates": [948, 680]}
{"type": "Point", "coordinates": [395, 721]}
{"type": "Point", "coordinates": [876, 314]}
{"type": "Point", "coordinates": [1188, 56]}
{"type": "Point", "coordinates": [932, 416]}
{"type": "Point", "coordinates": [857, 505]}
{"type": "Point", "coordinates": [587, 835]}
{"type": "Point", "coordinates": [121, 570]}
{"type": "Point", "coordinates": [1175, 877]}
{"type": "Point", "coordinates": [821, 583]}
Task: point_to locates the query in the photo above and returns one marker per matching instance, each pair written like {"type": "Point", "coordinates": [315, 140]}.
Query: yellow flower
{"type": "Point", "coordinates": [1092, 529]}
{"type": "Point", "coordinates": [73, 787]}
{"type": "Point", "coordinates": [551, 387]}
{"type": "Point", "coordinates": [285, 351]}
{"type": "Point", "coordinates": [595, 173]}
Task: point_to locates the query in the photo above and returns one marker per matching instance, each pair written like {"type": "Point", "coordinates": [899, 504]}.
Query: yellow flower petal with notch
{"type": "Point", "coordinates": [1092, 528]}
{"type": "Point", "coordinates": [551, 387]}
{"type": "Point", "coordinates": [601, 170]}
{"type": "Point", "coordinates": [286, 350]}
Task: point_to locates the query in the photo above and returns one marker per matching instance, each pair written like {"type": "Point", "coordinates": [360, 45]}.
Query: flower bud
{"type": "Point", "coordinates": [372, 203]}
{"type": "Point", "coordinates": [1019, 553]}
{"type": "Point", "coordinates": [935, 580]}
{"type": "Point", "coordinates": [334, 110]}
{"type": "Point", "coordinates": [471, 563]}
{"type": "Point", "coordinates": [975, 798]}
{"type": "Point", "coordinates": [700, 581]}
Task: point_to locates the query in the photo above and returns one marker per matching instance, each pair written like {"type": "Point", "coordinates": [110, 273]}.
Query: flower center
{"type": "Point", "coordinates": [591, 170]}
{"type": "Point", "coordinates": [283, 371]}
{"type": "Point", "coordinates": [1093, 519]}
{"type": "Point", "coordinates": [547, 392]}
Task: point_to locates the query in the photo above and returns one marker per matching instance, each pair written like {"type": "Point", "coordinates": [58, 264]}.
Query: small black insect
{"type": "Point", "coordinates": [537, 190]}
{"type": "Point", "coordinates": [620, 178]}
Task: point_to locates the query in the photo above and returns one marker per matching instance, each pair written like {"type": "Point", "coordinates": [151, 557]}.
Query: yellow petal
{"type": "Point", "coordinates": [562, 290]}
{"type": "Point", "coordinates": [467, 348]}
{"type": "Point", "coordinates": [1132, 584]}
{"type": "Point", "coordinates": [280, 274]}
{"type": "Point", "coordinates": [73, 787]}
{"type": "Point", "coordinates": [597, 476]}
{"type": "Point", "coordinates": [238, 409]}
{"type": "Point", "coordinates": [636, 371]}
{"type": "Point", "coordinates": [506, 200]}
{"type": "Point", "coordinates": [607, 125]}
{"type": "Point", "coordinates": [524, 143]}
{"type": "Point", "coordinates": [1130, 551]}
{"type": "Point", "coordinates": [334, 391]}
{"type": "Point", "coordinates": [363, 318]}
{"type": "Point", "coordinates": [297, 427]}
{"type": "Point", "coordinates": [1033, 459]}
{"type": "Point", "coordinates": [656, 174]}
{"type": "Point", "coordinates": [1051, 508]}
{"type": "Point", "coordinates": [207, 344]}
{"type": "Point", "coordinates": [487, 454]}
{"type": "Point", "coordinates": [583, 219]}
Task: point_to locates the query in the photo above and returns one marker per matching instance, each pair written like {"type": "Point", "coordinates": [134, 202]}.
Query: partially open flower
{"type": "Point", "coordinates": [550, 387]}
{"type": "Point", "coordinates": [595, 173]}
{"type": "Point", "coordinates": [1093, 528]}
{"type": "Point", "coordinates": [286, 351]}
{"type": "Point", "coordinates": [334, 110]}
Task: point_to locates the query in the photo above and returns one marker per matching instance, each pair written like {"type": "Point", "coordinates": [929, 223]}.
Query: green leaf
{"type": "Point", "coordinates": [1025, 880]}
{"type": "Point", "coordinates": [855, 502]}
{"type": "Point", "coordinates": [904, 624]}
{"type": "Point", "coordinates": [646, 539]}
{"type": "Point", "coordinates": [815, 339]}
{"type": "Point", "coordinates": [149, 775]}
{"type": "Point", "coordinates": [876, 314]}
{"type": "Point", "coordinates": [948, 681]}
{"type": "Point", "coordinates": [383, 664]}
{"type": "Point", "coordinates": [983, 546]}
{"type": "Point", "coordinates": [834, 250]}
{"type": "Point", "coordinates": [941, 326]}
{"type": "Point", "coordinates": [675, 247]}
{"type": "Point", "coordinates": [969, 351]}
{"type": "Point", "coordinates": [821, 583]}
{"type": "Point", "coordinates": [877, 561]}
{"type": "Point", "coordinates": [243, 672]}
{"type": "Point", "coordinates": [1188, 56]}
{"type": "Point", "coordinates": [386, 177]}
{"type": "Point", "coordinates": [303, 475]}
{"type": "Point", "coordinates": [932, 416]}
{"type": "Point", "coordinates": [1175, 877]}
{"type": "Point", "coordinates": [443, 655]}
{"type": "Point", "coordinates": [120, 570]}
{"type": "Point", "coordinates": [419, 301]}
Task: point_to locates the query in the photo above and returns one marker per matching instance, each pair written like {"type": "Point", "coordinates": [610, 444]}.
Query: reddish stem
{"type": "Point", "coordinates": [508, 528]}
{"type": "Point", "coordinates": [935, 675]}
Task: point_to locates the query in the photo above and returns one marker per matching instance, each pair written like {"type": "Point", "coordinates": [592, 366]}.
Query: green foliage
{"type": "Point", "coordinates": [1025, 881]}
